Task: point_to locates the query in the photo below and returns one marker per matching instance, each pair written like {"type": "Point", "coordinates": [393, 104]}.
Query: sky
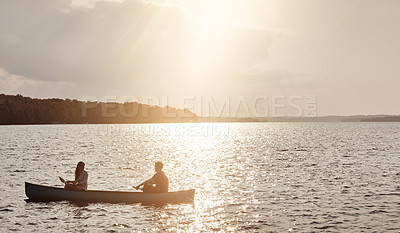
{"type": "Point", "coordinates": [258, 54]}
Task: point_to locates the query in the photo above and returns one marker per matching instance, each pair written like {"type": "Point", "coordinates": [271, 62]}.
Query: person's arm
{"type": "Point", "coordinates": [149, 182]}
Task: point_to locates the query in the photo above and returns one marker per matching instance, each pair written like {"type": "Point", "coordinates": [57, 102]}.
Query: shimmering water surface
{"type": "Point", "coordinates": [298, 177]}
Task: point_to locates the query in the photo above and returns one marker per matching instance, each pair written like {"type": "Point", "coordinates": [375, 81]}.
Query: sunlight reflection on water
{"type": "Point", "coordinates": [248, 177]}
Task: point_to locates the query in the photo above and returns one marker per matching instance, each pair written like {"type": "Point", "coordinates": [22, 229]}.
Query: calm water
{"type": "Point", "coordinates": [280, 177]}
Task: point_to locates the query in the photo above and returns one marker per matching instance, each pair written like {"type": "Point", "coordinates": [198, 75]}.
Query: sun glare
{"type": "Point", "coordinates": [214, 15]}
{"type": "Point", "coordinates": [212, 22]}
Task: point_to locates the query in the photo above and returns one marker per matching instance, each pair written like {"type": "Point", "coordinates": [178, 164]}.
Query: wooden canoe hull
{"type": "Point", "coordinates": [46, 193]}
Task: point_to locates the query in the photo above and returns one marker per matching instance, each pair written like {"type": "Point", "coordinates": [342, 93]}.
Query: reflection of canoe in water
{"type": "Point", "coordinates": [46, 193]}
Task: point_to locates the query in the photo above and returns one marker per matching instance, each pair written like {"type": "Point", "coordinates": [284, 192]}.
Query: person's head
{"type": "Point", "coordinates": [158, 166]}
{"type": "Point", "coordinates": [79, 168]}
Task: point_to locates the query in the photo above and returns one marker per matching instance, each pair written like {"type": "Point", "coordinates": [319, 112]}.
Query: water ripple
{"type": "Point", "coordinates": [267, 177]}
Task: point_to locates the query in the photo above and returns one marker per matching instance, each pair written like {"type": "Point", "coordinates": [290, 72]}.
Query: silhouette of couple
{"type": "Point", "coordinates": [156, 184]}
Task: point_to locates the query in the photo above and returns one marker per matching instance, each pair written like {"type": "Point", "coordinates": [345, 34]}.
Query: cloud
{"type": "Point", "coordinates": [279, 79]}
{"type": "Point", "coordinates": [13, 83]}
{"type": "Point", "coordinates": [16, 84]}
{"type": "Point", "coordinates": [134, 46]}
{"type": "Point", "coordinates": [89, 3]}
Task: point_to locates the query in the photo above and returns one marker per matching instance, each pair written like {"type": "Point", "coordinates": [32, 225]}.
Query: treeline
{"type": "Point", "coordinates": [16, 109]}
{"type": "Point", "coordinates": [382, 119]}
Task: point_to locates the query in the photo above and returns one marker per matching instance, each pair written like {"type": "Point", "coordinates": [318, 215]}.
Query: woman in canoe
{"type": "Point", "coordinates": [81, 177]}
{"type": "Point", "coordinates": [156, 184]}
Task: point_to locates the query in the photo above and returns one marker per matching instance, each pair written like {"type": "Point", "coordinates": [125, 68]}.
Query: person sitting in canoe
{"type": "Point", "coordinates": [156, 184]}
{"type": "Point", "coordinates": [81, 177]}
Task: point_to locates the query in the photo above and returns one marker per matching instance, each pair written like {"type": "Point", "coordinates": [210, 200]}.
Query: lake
{"type": "Point", "coordinates": [279, 177]}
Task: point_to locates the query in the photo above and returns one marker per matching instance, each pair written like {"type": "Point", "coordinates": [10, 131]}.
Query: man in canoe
{"type": "Point", "coordinates": [81, 177]}
{"type": "Point", "coordinates": [156, 184]}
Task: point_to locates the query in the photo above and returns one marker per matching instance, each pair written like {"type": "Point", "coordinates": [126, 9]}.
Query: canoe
{"type": "Point", "coordinates": [42, 193]}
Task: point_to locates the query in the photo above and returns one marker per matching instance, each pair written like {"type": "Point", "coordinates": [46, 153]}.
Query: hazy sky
{"type": "Point", "coordinates": [345, 52]}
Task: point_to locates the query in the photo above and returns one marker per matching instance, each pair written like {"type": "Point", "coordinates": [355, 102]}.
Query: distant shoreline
{"type": "Point", "coordinates": [338, 119]}
{"type": "Point", "coordinates": [19, 110]}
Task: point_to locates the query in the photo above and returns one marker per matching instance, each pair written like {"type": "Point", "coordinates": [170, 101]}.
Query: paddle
{"type": "Point", "coordinates": [61, 179]}
{"type": "Point", "coordinates": [65, 181]}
